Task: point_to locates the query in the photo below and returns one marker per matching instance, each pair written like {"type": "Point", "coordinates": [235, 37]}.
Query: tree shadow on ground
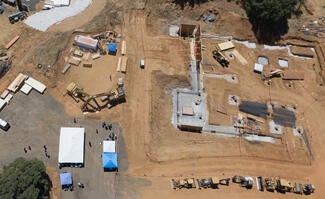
{"type": "Point", "coordinates": [269, 33]}
{"type": "Point", "coordinates": [191, 3]}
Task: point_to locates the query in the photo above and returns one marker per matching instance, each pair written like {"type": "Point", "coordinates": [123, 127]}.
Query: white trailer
{"type": "Point", "coordinates": [86, 43]}
{"type": "Point", "coordinates": [40, 87]}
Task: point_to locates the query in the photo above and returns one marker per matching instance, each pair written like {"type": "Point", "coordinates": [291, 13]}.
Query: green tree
{"type": "Point", "coordinates": [270, 11]}
{"type": "Point", "coordinates": [24, 179]}
{"type": "Point", "coordinates": [269, 17]}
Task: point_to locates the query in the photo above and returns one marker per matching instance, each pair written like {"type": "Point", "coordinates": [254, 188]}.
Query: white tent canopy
{"type": "Point", "coordinates": [71, 149]}
{"type": "Point", "coordinates": [109, 146]}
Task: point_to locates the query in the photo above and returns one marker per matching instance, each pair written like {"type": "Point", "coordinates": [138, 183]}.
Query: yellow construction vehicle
{"type": "Point", "coordinates": [91, 104]}
{"type": "Point", "coordinates": [188, 183]}
{"type": "Point", "coordinates": [76, 92]}
{"type": "Point", "coordinates": [270, 184]}
{"type": "Point", "coordinates": [283, 185]}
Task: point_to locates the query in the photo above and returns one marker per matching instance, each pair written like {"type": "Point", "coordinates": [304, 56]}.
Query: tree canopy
{"type": "Point", "coordinates": [24, 179]}
{"type": "Point", "coordinates": [270, 11]}
{"type": "Point", "coordinates": [269, 17]}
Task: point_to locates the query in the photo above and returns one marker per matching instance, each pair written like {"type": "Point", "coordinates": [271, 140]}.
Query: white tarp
{"type": "Point", "coordinates": [44, 19]}
{"type": "Point", "coordinates": [109, 146]}
{"type": "Point", "coordinates": [71, 149]}
{"type": "Point", "coordinates": [35, 84]}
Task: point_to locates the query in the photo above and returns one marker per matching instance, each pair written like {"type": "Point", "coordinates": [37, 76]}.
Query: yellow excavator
{"type": "Point", "coordinates": [91, 102]}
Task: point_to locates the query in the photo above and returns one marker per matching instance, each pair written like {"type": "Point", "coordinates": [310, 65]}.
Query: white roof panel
{"type": "Point", "coordinates": [109, 146]}
{"type": "Point", "coordinates": [40, 87]}
{"type": "Point", "coordinates": [226, 45]}
{"type": "Point", "coordinates": [71, 149]}
{"type": "Point", "coordinates": [8, 98]}
{"type": "Point", "coordinates": [258, 67]}
{"type": "Point", "coordinates": [2, 103]}
{"type": "Point", "coordinates": [26, 89]}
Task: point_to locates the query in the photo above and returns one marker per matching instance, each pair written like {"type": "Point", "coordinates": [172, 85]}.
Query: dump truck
{"type": "Point", "coordinates": [221, 59]}
{"type": "Point", "coordinates": [187, 183]}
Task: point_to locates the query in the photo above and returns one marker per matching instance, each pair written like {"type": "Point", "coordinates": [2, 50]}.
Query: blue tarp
{"type": "Point", "coordinates": [109, 160]}
{"type": "Point", "coordinates": [66, 178]}
{"type": "Point", "coordinates": [112, 47]}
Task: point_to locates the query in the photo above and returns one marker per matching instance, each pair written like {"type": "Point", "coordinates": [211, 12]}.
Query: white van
{"type": "Point", "coordinates": [4, 125]}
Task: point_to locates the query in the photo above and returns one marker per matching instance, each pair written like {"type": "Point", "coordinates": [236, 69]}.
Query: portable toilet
{"type": "Point", "coordinates": [112, 49]}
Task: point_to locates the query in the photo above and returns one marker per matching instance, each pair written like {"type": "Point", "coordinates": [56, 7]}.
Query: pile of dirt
{"type": "Point", "coordinates": [107, 19]}
{"type": "Point", "coordinates": [47, 52]}
{"type": "Point", "coordinates": [168, 82]}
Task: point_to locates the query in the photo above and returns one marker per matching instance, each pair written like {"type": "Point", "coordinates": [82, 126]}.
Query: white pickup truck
{"type": "Point", "coordinates": [4, 125]}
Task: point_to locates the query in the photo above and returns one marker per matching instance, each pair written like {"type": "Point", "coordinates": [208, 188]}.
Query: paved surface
{"type": "Point", "coordinates": [36, 120]}
{"type": "Point", "coordinates": [46, 18]}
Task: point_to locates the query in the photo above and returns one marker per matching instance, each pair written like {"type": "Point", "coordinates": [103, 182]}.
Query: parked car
{"type": "Point", "coordinates": [1, 8]}
{"type": "Point", "coordinates": [142, 63]}
{"type": "Point", "coordinates": [4, 125]}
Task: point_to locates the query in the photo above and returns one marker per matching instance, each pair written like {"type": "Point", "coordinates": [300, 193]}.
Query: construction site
{"type": "Point", "coordinates": [143, 99]}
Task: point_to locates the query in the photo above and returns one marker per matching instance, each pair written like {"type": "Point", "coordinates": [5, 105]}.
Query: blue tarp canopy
{"type": "Point", "coordinates": [65, 178]}
{"type": "Point", "coordinates": [111, 47]}
{"type": "Point", "coordinates": [109, 160]}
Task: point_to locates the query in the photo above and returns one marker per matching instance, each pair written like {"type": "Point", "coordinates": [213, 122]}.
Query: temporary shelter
{"type": "Point", "coordinates": [71, 149]}
{"type": "Point", "coordinates": [109, 146]}
{"type": "Point", "coordinates": [86, 43]}
{"type": "Point", "coordinates": [109, 161]}
{"type": "Point", "coordinates": [65, 179]}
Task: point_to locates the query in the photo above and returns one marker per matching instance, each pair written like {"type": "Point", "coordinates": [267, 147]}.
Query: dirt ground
{"type": "Point", "coordinates": [153, 151]}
